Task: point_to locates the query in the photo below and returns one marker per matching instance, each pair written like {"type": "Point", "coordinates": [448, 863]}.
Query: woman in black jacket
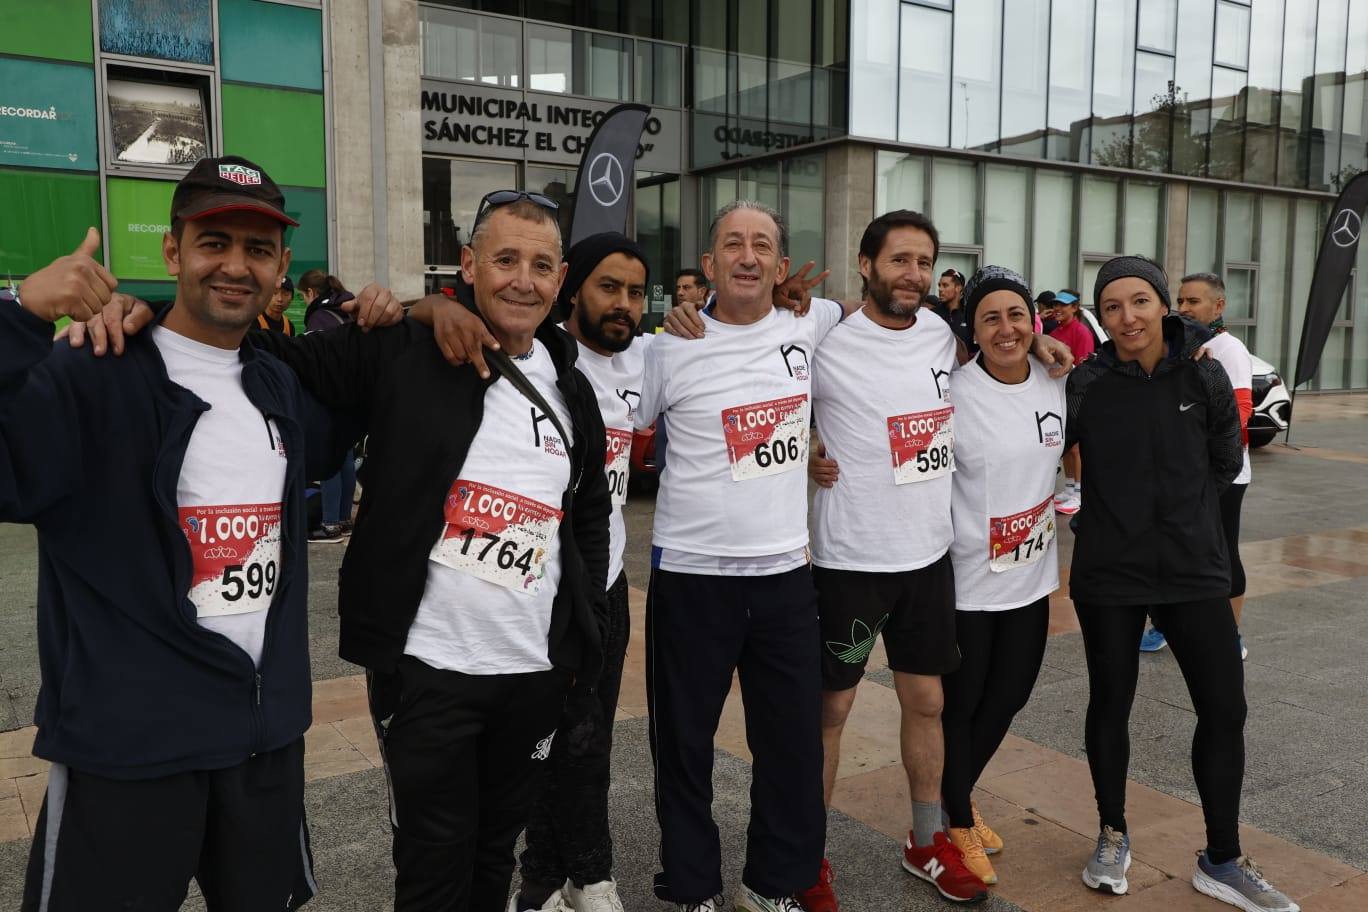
{"type": "Point", "coordinates": [1160, 438]}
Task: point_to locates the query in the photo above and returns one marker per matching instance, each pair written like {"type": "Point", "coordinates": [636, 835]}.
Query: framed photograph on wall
{"type": "Point", "coordinates": [156, 123]}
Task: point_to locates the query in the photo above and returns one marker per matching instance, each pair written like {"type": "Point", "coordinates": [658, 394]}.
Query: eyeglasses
{"type": "Point", "coordinates": [499, 198]}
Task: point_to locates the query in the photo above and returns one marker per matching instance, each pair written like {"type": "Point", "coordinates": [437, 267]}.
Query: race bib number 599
{"type": "Point", "coordinates": [766, 438]}
{"type": "Point", "coordinates": [498, 536]}
{"type": "Point", "coordinates": [235, 556]}
{"type": "Point", "coordinates": [922, 445]}
{"type": "Point", "coordinates": [1022, 538]}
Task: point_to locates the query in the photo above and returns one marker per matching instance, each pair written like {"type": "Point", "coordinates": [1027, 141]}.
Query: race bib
{"type": "Point", "coordinates": [922, 445]}
{"type": "Point", "coordinates": [235, 556]}
{"type": "Point", "coordinates": [497, 535]}
{"type": "Point", "coordinates": [1022, 538]}
{"type": "Point", "coordinates": [766, 438]}
{"type": "Point", "coordinates": [617, 462]}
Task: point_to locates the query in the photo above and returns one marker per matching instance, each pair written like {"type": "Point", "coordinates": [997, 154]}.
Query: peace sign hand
{"type": "Point", "coordinates": [795, 292]}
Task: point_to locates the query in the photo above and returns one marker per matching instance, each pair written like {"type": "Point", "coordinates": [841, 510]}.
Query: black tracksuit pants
{"type": "Point", "coordinates": [1000, 656]}
{"type": "Point", "coordinates": [699, 629]}
{"type": "Point", "coordinates": [568, 834]}
{"type": "Point", "coordinates": [463, 755]}
{"type": "Point", "coordinates": [1203, 638]}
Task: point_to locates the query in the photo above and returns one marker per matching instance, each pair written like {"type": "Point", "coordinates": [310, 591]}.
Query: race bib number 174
{"type": "Point", "coordinates": [1021, 539]}
{"type": "Point", "coordinates": [235, 556]}
{"type": "Point", "coordinates": [498, 536]}
{"type": "Point", "coordinates": [922, 445]}
{"type": "Point", "coordinates": [766, 438]}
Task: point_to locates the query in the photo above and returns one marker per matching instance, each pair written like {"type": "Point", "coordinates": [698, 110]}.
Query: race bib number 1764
{"type": "Point", "coordinates": [498, 536]}
{"type": "Point", "coordinates": [766, 438]}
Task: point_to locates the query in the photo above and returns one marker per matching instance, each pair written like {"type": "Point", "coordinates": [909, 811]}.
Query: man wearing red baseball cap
{"type": "Point", "coordinates": [167, 489]}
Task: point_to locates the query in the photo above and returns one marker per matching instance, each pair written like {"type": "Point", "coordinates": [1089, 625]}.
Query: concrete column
{"type": "Point", "coordinates": [351, 141]}
{"type": "Point", "coordinates": [403, 149]}
{"type": "Point", "coordinates": [849, 208]}
{"type": "Point", "coordinates": [1176, 218]}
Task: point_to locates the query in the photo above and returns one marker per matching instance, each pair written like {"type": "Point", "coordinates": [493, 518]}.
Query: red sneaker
{"type": "Point", "coordinates": [942, 865]}
{"type": "Point", "coordinates": [820, 897]}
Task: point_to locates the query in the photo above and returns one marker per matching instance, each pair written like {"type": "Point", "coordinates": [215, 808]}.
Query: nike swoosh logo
{"type": "Point", "coordinates": [1184, 408]}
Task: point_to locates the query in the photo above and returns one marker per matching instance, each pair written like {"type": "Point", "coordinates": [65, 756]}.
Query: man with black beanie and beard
{"type": "Point", "coordinates": [569, 856]}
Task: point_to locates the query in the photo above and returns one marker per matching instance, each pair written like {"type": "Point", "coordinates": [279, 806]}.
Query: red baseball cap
{"type": "Point", "coordinates": [227, 184]}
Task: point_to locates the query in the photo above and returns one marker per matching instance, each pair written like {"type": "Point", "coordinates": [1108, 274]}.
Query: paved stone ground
{"type": "Point", "coordinates": [1306, 537]}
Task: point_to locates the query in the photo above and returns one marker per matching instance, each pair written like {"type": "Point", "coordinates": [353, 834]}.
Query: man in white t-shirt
{"type": "Point", "coordinates": [882, 530]}
{"type": "Point", "coordinates": [569, 850]}
{"type": "Point", "coordinates": [730, 586]}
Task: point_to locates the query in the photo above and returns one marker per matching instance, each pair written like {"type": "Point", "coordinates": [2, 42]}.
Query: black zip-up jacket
{"type": "Point", "coordinates": [90, 454]}
{"type": "Point", "coordinates": [1157, 452]}
{"type": "Point", "coordinates": [422, 414]}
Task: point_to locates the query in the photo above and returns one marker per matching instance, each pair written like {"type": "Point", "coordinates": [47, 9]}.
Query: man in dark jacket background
{"type": "Point", "coordinates": [473, 588]}
{"type": "Point", "coordinates": [175, 668]}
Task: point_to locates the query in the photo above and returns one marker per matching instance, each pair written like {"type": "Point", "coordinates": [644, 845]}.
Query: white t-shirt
{"type": "Point", "coordinates": [1234, 357]}
{"type": "Point", "coordinates": [495, 567]}
{"type": "Point", "coordinates": [229, 493]}
{"type": "Point", "coordinates": [617, 385]}
{"type": "Point", "coordinates": [883, 411]}
{"type": "Point", "coordinates": [1009, 437]}
{"type": "Point", "coordinates": [737, 410]}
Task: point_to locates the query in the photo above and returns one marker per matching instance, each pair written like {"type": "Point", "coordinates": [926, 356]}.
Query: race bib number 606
{"type": "Point", "coordinates": [235, 556]}
{"type": "Point", "coordinates": [766, 438]}
{"type": "Point", "coordinates": [498, 536]}
{"type": "Point", "coordinates": [922, 445]}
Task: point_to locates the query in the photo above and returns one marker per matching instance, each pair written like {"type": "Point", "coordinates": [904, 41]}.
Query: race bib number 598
{"type": "Point", "coordinates": [922, 445]}
{"type": "Point", "coordinates": [498, 536]}
{"type": "Point", "coordinates": [235, 556]}
{"type": "Point", "coordinates": [766, 438]}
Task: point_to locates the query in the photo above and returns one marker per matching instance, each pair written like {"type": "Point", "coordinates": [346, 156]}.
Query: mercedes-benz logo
{"type": "Point", "coordinates": [605, 179]}
{"type": "Point", "coordinates": [1347, 226]}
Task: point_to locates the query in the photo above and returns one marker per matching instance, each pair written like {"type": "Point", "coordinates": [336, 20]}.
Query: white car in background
{"type": "Point", "coordinates": [1272, 400]}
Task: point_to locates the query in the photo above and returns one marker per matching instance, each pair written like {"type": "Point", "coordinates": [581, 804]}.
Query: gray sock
{"type": "Point", "coordinates": [926, 822]}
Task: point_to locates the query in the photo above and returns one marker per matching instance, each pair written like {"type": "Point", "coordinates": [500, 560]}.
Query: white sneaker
{"type": "Point", "coordinates": [594, 897]}
{"type": "Point", "coordinates": [554, 904]}
{"type": "Point", "coordinates": [716, 904]}
{"type": "Point", "coordinates": [1070, 505]}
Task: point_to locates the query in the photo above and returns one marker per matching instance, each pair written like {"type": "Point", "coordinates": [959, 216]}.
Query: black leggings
{"type": "Point", "coordinates": [1203, 637]}
{"type": "Point", "coordinates": [1000, 655]}
{"type": "Point", "coordinates": [1231, 501]}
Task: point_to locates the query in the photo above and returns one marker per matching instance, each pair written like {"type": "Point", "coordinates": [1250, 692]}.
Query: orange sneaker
{"type": "Point", "coordinates": [992, 842]}
{"type": "Point", "coordinates": [975, 859]}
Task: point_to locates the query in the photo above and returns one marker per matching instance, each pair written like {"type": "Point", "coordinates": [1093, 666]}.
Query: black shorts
{"type": "Point", "coordinates": [115, 844]}
{"type": "Point", "coordinates": [914, 609]}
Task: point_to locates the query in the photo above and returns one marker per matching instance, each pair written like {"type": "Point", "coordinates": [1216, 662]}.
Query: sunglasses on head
{"type": "Point", "coordinates": [499, 198]}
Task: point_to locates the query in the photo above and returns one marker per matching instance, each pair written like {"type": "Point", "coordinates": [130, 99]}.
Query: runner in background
{"type": "Point", "coordinates": [1009, 430]}
{"type": "Point", "coordinates": [273, 317]}
{"type": "Point", "coordinates": [1160, 438]}
{"type": "Point", "coordinates": [1073, 331]}
{"type": "Point", "coordinates": [1202, 298]}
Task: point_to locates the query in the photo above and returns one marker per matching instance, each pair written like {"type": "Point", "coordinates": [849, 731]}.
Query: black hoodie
{"type": "Point", "coordinates": [1157, 452]}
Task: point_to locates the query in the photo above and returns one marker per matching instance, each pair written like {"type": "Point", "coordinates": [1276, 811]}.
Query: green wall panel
{"type": "Point", "coordinates": [43, 215]}
{"type": "Point", "coordinates": [47, 115]}
{"type": "Point", "coordinates": [60, 29]}
{"type": "Point", "coordinates": [139, 214]}
{"type": "Point", "coordinates": [278, 129]}
{"type": "Point", "coordinates": [309, 242]}
{"type": "Point", "coordinates": [271, 44]}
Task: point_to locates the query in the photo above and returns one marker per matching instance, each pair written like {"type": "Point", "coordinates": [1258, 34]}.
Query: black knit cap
{"type": "Point", "coordinates": [1131, 267]}
{"type": "Point", "coordinates": [585, 257]}
{"type": "Point", "coordinates": [989, 279]}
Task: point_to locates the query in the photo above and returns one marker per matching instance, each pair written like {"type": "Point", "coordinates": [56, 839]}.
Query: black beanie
{"type": "Point", "coordinates": [585, 257]}
{"type": "Point", "coordinates": [989, 279]}
{"type": "Point", "coordinates": [1131, 267]}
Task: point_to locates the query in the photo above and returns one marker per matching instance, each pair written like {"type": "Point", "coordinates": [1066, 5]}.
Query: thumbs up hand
{"type": "Point", "coordinates": [75, 285]}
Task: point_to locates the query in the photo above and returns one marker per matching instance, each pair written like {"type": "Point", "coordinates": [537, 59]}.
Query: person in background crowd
{"type": "Point", "coordinates": [1159, 434]}
{"type": "Point", "coordinates": [325, 296]}
{"type": "Point", "coordinates": [950, 306]}
{"type": "Point", "coordinates": [1009, 433]}
{"type": "Point", "coordinates": [691, 287]}
{"type": "Point", "coordinates": [1202, 298]}
{"type": "Point", "coordinates": [177, 745]}
{"type": "Point", "coordinates": [1045, 303]}
{"type": "Point", "coordinates": [273, 317]}
{"type": "Point", "coordinates": [1073, 331]}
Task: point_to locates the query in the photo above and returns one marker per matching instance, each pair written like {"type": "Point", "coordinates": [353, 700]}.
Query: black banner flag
{"type": "Point", "coordinates": [607, 173]}
{"type": "Point", "coordinates": [1336, 260]}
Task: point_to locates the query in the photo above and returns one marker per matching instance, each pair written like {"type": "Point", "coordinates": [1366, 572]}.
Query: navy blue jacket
{"type": "Point", "coordinates": [90, 454]}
